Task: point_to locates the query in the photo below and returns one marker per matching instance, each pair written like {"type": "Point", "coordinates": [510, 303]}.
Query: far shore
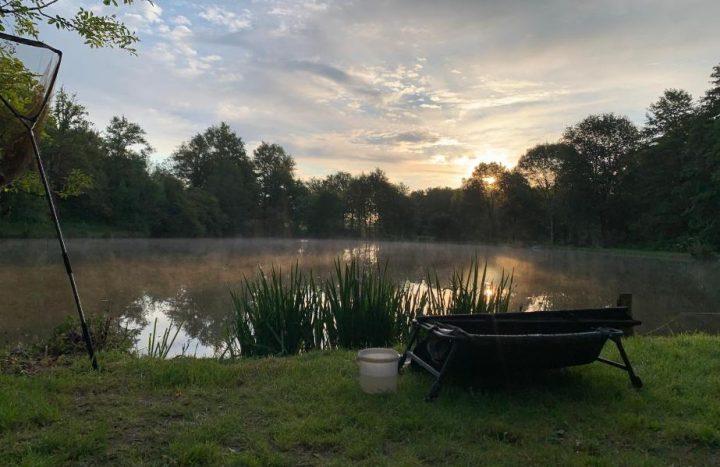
{"type": "Point", "coordinates": [96, 232]}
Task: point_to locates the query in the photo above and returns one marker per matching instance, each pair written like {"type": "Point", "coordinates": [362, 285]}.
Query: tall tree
{"type": "Point", "coordinates": [483, 187]}
{"type": "Point", "coordinates": [542, 166]}
{"type": "Point", "coordinates": [326, 205]}
{"type": "Point", "coordinates": [73, 152]}
{"type": "Point", "coordinates": [216, 162]}
{"type": "Point", "coordinates": [275, 172]}
{"type": "Point", "coordinates": [394, 215]}
{"type": "Point", "coordinates": [195, 160]}
{"type": "Point", "coordinates": [671, 114]}
{"type": "Point", "coordinates": [130, 193]}
{"type": "Point", "coordinates": [519, 208]}
{"type": "Point", "coordinates": [607, 143]}
{"type": "Point", "coordinates": [656, 207]}
{"type": "Point", "coordinates": [124, 139]}
{"type": "Point", "coordinates": [711, 101]}
{"type": "Point", "coordinates": [436, 213]}
{"type": "Point", "coordinates": [702, 172]}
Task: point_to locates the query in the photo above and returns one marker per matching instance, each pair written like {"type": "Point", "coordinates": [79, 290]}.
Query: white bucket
{"type": "Point", "coordinates": [378, 370]}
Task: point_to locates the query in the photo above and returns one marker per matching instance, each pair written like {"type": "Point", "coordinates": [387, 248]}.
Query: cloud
{"type": "Point", "coordinates": [144, 16]}
{"type": "Point", "coordinates": [181, 20]}
{"type": "Point", "coordinates": [334, 74]}
{"type": "Point", "coordinates": [413, 136]}
{"type": "Point", "coordinates": [422, 91]}
{"type": "Point", "coordinates": [230, 20]}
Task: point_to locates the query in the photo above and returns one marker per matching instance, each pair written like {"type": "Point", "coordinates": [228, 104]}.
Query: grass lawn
{"type": "Point", "coordinates": [310, 410]}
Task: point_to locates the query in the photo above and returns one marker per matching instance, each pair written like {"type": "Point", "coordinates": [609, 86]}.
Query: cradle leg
{"type": "Point", "coordinates": [435, 389]}
{"type": "Point", "coordinates": [634, 379]}
{"type": "Point", "coordinates": [411, 341]}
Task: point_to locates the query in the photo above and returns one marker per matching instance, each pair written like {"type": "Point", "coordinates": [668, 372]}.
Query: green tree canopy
{"type": "Point", "coordinates": [195, 160]}
{"type": "Point", "coordinates": [215, 161]}
{"type": "Point", "coordinates": [606, 142]}
{"type": "Point", "coordinates": [711, 101]}
{"type": "Point", "coordinates": [275, 172]}
{"type": "Point", "coordinates": [23, 17]}
{"type": "Point", "coordinates": [671, 113]}
{"type": "Point", "coordinates": [126, 139]}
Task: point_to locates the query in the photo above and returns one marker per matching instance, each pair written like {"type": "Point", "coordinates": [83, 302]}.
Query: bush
{"type": "Point", "coordinates": [66, 339]}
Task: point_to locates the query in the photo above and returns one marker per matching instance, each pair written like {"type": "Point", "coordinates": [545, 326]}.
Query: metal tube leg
{"type": "Point", "coordinates": [66, 259]}
{"type": "Point", "coordinates": [634, 379]}
{"type": "Point", "coordinates": [411, 341]}
{"type": "Point", "coordinates": [435, 389]}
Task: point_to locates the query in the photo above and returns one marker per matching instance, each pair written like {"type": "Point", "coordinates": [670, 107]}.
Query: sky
{"type": "Point", "coordinates": [424, 90]}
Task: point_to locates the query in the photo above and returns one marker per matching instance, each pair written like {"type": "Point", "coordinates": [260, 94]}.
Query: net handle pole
{"type": "Point", "coordinates": [29, 121]}
{"type": "Point", "coordinates": [66, 258]}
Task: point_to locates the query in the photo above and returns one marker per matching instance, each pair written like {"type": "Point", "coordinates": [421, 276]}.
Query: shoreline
{"type": "Point", "coordinates": [73, 232]}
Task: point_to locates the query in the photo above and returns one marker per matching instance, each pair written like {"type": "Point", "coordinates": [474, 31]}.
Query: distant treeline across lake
{"type": "Point", "coordinates": [605, 182]}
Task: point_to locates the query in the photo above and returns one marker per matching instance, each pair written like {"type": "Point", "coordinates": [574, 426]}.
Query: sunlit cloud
{"type": "Point", "coordinates": [425, 92]}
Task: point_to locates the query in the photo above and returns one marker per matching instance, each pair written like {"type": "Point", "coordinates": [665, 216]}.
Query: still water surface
{"type": "Point", "coordinates": [190, 281]}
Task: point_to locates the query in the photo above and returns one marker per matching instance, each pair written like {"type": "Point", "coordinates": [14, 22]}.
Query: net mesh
{"type": "Point", "coordinates": [26, 76]}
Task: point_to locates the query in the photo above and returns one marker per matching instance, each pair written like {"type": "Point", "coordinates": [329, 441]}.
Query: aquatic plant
{"type": "Point", "coordinates": [275, 316]}
{"type": "Point", "coordinates": [468, 292]}
{"type": "Point", "coordinates": [363, 304]}
{"type": "Point", "coordinates": [358, 305]}
{"type": "Point", "coordinates": [160, 348]}
{"type": "Point", "coordinates": [413, 299]}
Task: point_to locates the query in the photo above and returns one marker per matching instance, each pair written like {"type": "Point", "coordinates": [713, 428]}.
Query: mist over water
{"type": "Point", "coordinates": [190, 280]}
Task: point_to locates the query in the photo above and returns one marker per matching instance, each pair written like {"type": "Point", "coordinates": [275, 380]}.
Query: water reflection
{"type": "Point", "coordinates": [161, 315]}
{"type": "Point", "coordinates": [189, 280]}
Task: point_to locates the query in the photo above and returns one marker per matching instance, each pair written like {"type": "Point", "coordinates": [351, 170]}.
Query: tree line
{"type": "Point", "coordinates": [606, 182]}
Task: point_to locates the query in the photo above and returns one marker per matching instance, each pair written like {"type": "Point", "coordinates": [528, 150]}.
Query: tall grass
{"type": "Point", "coordinates": [358, 305]}
{"type": "Point", "coordinates": [160, 346]}
{"type": "Point", "coordinates": [469, 292]}
{"type": "Point", "coordinates": [363, 305]}
{"type": "Point", "coordinates": [275, 315]}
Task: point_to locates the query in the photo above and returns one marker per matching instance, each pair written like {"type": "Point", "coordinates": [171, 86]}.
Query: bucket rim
{"type": "Point", "coordinates": [388, 355]}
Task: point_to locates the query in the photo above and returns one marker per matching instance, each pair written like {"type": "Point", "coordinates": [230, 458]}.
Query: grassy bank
{"type": "Point", "coordinates": [309, 409]}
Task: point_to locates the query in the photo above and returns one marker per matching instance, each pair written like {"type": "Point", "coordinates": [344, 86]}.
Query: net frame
{"type": "Point", "coordinates": [29, 122]}
{"type": "Point", "coordinates": [34, 117]}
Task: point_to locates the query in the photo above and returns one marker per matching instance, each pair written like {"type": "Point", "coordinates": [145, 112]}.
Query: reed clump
{"type": "Point", "coordinates": [275, 315]}
{"type": "Point", "coordinates": [358, 305]}
{"type": "Point", "coordinates": [469, 292]}
{"type": "Point", "coordinates": [158, 345]}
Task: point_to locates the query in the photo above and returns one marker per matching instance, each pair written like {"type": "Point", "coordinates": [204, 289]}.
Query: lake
{"type": "Point", "coordinates": [190, 280]}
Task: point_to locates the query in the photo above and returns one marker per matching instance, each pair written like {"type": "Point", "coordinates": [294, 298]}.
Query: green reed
{"type": "Point", "coordinates": [275, 315]}
{"type": "Point", "coordinates": [363, 304]}
{"type": "Point", "coordinates": [468, 292]}
{"type": "Point", "coordinates": [160, 347]}
{"type": "Point", "coordinates": [358, 305]}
